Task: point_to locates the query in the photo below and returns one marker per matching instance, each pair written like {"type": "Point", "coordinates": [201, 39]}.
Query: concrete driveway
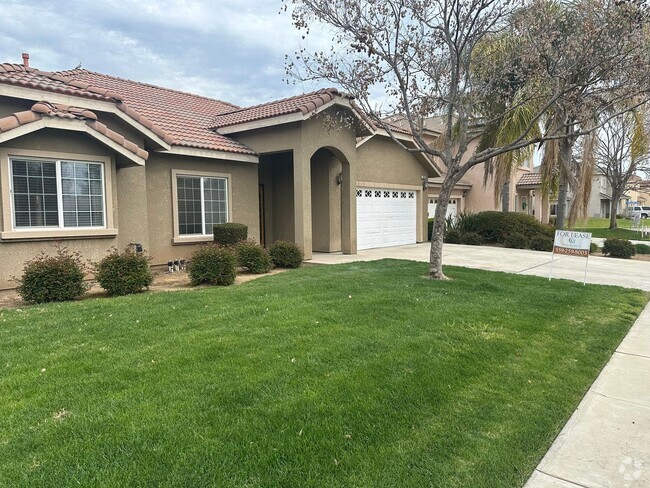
{"type": "Point", "coordinates": [601, 270]}
{"type": "Point", "coordinates": [606, 442]}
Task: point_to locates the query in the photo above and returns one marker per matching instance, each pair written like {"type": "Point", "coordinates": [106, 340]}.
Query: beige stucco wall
{"type": "Point", "coordinates": [243, 198]}
{"type": "Point", "coordinates": [54, 143]}
{"type": "Point", "coordinates": [381, 162]}
{"type": "Point", "coordinates": [326, 202]}
{"type": "Point", "coordinates": [302, 140]}
{"type": "Point", "coordinates": [276, 174]}
{"type": "Point", "coordinates": [9, 106]}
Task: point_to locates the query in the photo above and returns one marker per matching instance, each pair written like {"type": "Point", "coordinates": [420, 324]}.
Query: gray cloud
{"type": "Point", "coordinates": [226, 49]}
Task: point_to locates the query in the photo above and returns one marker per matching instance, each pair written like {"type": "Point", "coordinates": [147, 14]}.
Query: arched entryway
{"type": "Point", "coordinates": [330, 202]}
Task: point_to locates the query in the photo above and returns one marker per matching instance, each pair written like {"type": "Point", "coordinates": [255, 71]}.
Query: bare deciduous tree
{"type": "Point", "coordinates": [621, 153]}
{"type": "Point", "coordinates": [417, 59]}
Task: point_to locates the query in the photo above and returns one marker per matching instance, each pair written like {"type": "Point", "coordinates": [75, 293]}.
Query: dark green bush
{"type": "Point", "coordinates": [230, 233]}
{"type": "Point", "coordinates": [53, 278]}
{"type": "Point", "coordinates": [642, 248]}
{"type": "Point", "coordinates": [618, 248]}
{"type": "Point", "coordinates": [253, 257]}
{"type": "Point", "coordinates": [593, 247]}
{"type": "Point", "coordinates": [429, 228]}
{"type": "Point", "coordinates": [496, 226]}
{"type": "Point", "coordinates": [464, 222]}
{"type": "Point", "coordinates": [541, 243]}
{"type": "Point", "coordinates": [123, 273]}
{"type": "Point", "coordinates": [471, 239]}
{"type": "Point", "coordinates": [286, 254]}
{"type": "Point", "coordinates": [213, 265]}
{"type": "Point", "coordinates": [452, 236]}
{"type": "Point", "coordinates": [516, 241]}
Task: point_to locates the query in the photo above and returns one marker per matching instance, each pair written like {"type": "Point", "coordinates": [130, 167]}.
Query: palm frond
{"type": "Point", "coordinates": [582, 194]}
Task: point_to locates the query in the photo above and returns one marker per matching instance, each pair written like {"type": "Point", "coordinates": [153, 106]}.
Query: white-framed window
{"type": "Point", "coordinates": [202, 201]}
{"type": "Point", "coordinates": [57, 194]}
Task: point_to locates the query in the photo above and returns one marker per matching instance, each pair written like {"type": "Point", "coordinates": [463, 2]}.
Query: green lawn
{"type": "Point", "coordinates": [359, 375]}
{"type": "Point", "coordinates": [600, 228]}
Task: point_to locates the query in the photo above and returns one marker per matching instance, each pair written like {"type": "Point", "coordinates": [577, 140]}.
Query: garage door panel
{"type": "Point", "coordinates": [385, 217]}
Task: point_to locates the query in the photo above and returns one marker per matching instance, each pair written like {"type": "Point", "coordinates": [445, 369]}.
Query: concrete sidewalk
{"type": "Point", "coordinates": [601, 270]}
{"type": "Point", "coordinates": [606, 442]}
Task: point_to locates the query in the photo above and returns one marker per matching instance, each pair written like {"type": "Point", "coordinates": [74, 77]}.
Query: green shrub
{"type": "Point", "coordinates": [286, 254]}
{"type": "Point", "coordinates": [253, 257]}
{"type": "Point", "coordinates": [125, 273]}
{"type": "Point", "coordinates": [593, 247]}
{"type": "Point", "coordinates": [464, 222]}
{"type": "Point", "coordinates": [516, 241]}
{"type": "Point", "coordinates": [230, 233]}
{"type": "Point", "coordinates": [429, 228]}
{"type": "Point", "coordinates": [619, 248]}
{"type": "Point", "coordinates": [471, 239]}
{"type": "Point", "coordinates": [541, 243]}
{"type": "Point", "coordinates": [496, 226]}
{"type": "Point", "coordinates": [452, 236]}
{"type": "Point", "coordinates": [53, 278]}
{"type": "Point", "coordinates": [213, 265]}
{"type": "Point", "coordinates": [642, 248]}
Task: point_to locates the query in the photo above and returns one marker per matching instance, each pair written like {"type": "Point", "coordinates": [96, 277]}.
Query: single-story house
{"type": "Point", "coordinates": [94, 161]}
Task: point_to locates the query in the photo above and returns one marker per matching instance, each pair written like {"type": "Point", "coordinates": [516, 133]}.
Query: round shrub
{"type": "Point", "coordinates": [452, 236]}
{"type": "Point", "coordinates": [541, 243]}
{"type": "Point", "coordinates": [286, 254]}
{"type": "Point", "coordinates": [213, 265]}
{"type": "Point", "coordinates": [253, 257]}
{"type": "Point", "coordinates": [642, 248]}
{"type": "Point", "coordinates": [123, 273]}
{"type": "Point", "coordinates": [496, 226]}
{"type": "Point", "coordinates": [230, 233]}
{"type": "Point", "coordinates": [516, 241]}
{"type": "Point", "coordinates": [53, 278]}
{"type": "Point", "coordinates": [618, 248]}
{"type": "Point", "coordinates": [593, 247]}
{"type": "Point", "coordinates": [471, 239]}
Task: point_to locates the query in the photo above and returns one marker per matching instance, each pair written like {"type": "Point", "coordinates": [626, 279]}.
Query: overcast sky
{"type": "Point", "coordinates": [226, 49]}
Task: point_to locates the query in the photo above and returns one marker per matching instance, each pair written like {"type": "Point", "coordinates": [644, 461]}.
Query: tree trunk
{"type": "Point", "coordinates": [505, 197]}
{"type": "Point", "coordinates": [613, 208]}
{"type": "Point", "coordinates": [612, 215]}
{"type": "Point", "coordinates": [438, 233]}
{"type": "Point", "coordinates": [561, 202]}
{"type": "Point", "coordinates": [566, 151]}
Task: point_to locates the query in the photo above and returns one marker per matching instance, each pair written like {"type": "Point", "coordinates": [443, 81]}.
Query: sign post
{"type": "Point", "coordinates": [570, 243]}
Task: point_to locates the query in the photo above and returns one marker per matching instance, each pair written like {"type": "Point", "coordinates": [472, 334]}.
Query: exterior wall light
{"type": "Point", "coordinates": [339, 178]}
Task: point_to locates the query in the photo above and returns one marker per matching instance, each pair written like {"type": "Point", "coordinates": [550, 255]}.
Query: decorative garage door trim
{"type": "Point", "coordinates": [386, 217]}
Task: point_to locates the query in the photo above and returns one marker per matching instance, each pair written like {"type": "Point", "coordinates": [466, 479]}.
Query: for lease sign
{"type": "Point", "coordinates": [572, 243]}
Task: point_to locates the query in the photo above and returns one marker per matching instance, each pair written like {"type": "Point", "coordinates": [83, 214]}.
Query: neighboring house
{"type": "Point", "coordinates": [529, 190]}
{"type": "Point", "coordinates": [638, 192]}
{"type": "Point", "coordinates": [94, 162]}
{"type": "Point", "coordinates": [600, 202]}
{"type": "Point", "coordinates": [472, 193]}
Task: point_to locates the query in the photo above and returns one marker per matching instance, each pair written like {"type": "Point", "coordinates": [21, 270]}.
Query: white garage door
{"type": "Point", "coordinates": [452, 208]}
{"type": "Point", "coordinates": [385, 217]}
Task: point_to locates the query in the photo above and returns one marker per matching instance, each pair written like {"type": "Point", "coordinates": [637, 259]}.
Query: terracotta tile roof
{"type": "Point", "coordinates": [303, 104]}
{"type": "Point", "coordinates": [179, 118]}
{"type": "Point", "coordinates": [530, 179]}
{"type": "Point", "coordinates": [182, 119]}
{"type": "Point", "coordinates": [20, 75]}
{"type": "Point", "coordinates": [46, 109]}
